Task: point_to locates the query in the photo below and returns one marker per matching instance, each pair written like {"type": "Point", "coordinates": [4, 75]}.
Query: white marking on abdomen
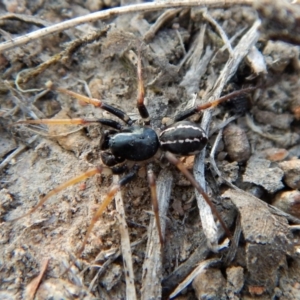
{"type": "Point", "coordinates": [180, 141]}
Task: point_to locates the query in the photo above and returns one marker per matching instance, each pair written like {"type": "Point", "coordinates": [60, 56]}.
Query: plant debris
{"type": "Point", "coordinates": [190, 55]}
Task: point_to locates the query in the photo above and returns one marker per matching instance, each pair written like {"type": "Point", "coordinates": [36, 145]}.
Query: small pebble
{"type": "Point", "coordinates": [236, 143]}
{"type": "Point", "coordinates": [235, 278]}
{"type": "Point", "coordinates": [275, 154]}
{"type": "Point", "coordinates": [291, 169]}
{"type": "Point", "coordinates": [280, 121]}
{"type": "Point", "coordinates": [210, 283]}
{"type": "Point", "coordinates": [94, 5]}
{"type": "Point", "coordinates": [289, 202]}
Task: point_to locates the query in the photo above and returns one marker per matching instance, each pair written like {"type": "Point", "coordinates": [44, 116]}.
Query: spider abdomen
{"type": "Point", "coordinates": [183, 138]}
{"type": "Point", "coordinates": [135, 143]}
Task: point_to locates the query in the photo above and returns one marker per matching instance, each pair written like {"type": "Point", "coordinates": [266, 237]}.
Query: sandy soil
{"type": "Point", "coordinates": [259, 153]}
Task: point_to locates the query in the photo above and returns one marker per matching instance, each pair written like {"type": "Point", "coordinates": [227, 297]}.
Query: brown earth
{"type": "Point", "coordinates": [259, 152]}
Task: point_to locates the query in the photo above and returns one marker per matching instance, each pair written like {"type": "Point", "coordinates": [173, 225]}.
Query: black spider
{"type": "Point", "coordinates": [137, 143]}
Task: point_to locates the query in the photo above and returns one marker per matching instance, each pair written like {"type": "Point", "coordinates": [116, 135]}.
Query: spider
{"type": "Point", "coordinates": [130, 141]}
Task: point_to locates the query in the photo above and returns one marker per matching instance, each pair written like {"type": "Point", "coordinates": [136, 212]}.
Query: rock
{"type": "Point", "coordinates": [210, 284]}
{"type": "Point", "coordinates": [291, 171]}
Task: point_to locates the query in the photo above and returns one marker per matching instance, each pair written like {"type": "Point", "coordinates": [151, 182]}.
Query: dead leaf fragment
{"type": "Point", "coordinates": [260, 172]}
{"type": "Point", "coordinates": [264, 233]}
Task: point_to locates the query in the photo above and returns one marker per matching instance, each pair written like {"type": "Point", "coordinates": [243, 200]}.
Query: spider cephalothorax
{"type": "Point", "coordinates": [136, 143]}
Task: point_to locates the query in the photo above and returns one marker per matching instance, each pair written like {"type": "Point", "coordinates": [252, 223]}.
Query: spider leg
{"type": "Point", "coordinates": [63, 186]}
{"type": "Point", "coordinates": [152, 184]}
{"type": "Point", "coordinates": [75, 121]}
{"type": "Point", "coordinates": [96, 102]}
{"type": "Point", "coordinates": [107, 200]}
{"type": "Point", "coordinates": [172, 159]}
{"type": "Point", "coordinates": [141, 93]}
{"type": "Point", "coordinates": [196, 109]}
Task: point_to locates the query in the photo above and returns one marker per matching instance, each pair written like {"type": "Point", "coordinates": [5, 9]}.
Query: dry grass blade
{"type": "Point", "coordinates": [223, 35]}
{"type": "Point", "coordinates": [200, 268]}
{"type": "Point", "coordinates": [16, 152]}
{"type": "Point", "coordinates": [239, 52]}
{"type": "Point", "coordinates": [193, 54]}
{"type": "Point", "coordinates": [170, 13]}
{"type": "Point", "coordinates": [101, 15]}
{"type": "Point", "coordinates": [125, 245]}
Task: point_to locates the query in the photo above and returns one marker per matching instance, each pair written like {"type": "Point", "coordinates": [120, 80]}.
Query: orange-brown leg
{"type": "Point", "coordinates": [107, 200]}
{"type": "Point", "coordinates": [187, 113]}
{"type": "Point", "coordinates": [141, 93]}
{"type": "Point", "coordinates": [63, 186]}
{"type": "Point", "coordinates": [75, 121]}
{"type": "Point", "coordinates": [113, 110]}
{"type": "Point", "coordinates": [197, 186]}
{"type": "Point", "coordinates": [152, 184]}
{"type": "Point", "coordinates": [96, 102]}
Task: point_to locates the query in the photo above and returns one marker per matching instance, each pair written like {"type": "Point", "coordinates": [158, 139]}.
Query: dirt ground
{"type": "Point", "coordinates": [189, 56]}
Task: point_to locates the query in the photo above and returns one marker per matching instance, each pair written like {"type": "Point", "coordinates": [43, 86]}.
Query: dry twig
{"type": "Point", "coordinates": [101, 15]}
{"type": "Point", "coordinates": [152, 267]}
{"type": "Point", "coordinates": [239, 52]}
{"type": "Point", "coordinates": [198, 270]}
